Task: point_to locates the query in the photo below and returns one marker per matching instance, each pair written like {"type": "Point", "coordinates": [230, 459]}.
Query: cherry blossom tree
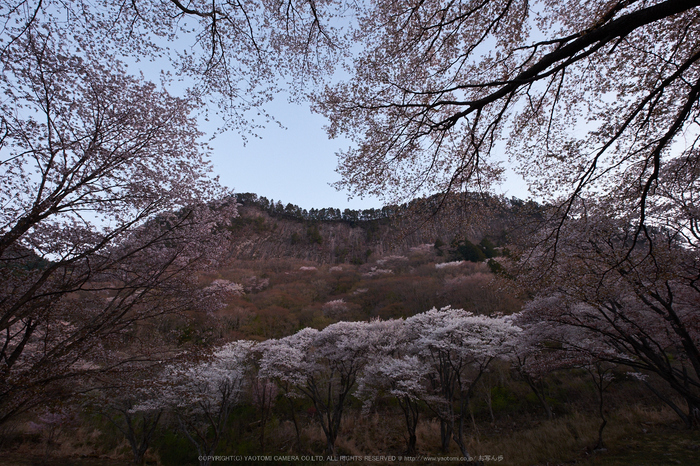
{"type": "Point", "coordinates": [403, 377]}
{"type": "Point", "coordinates": [589, 98]}
{"type": "Point", "coordinates": [202, 394]}
{"type": "Point", "coordinates": [635, 297]}
{"type": "Point", "coordinates": [285, 361]}
{"type": "Point", "coordinates": [138, 427]}
{"type": "Point", "coordinates": [526, 366]}
{"type": "Point", "coordinates": [108, 215]}
{"type": "Point", "coordinates": [323, 366]}
{"type": "Point", "coordinates": [457, 347]}
{"type": "Point", "coordinates": [544, 347]}
{"type": "Point", "coordinates": [237, 54]}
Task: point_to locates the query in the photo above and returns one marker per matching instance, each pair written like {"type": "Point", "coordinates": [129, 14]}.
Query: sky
{"type": "Point", "coordinates": [296, 164]}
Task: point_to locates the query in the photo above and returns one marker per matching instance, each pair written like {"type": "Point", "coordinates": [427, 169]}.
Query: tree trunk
{"type": "Point", "coordinates": [600, 444]}
{"type": "Point", "coordinates": [410, 411]}
{"type": "Point", "coordinates": [411, 444]}
{"type": "Point", "coordinates": [294, 420]}
{"type": "Point", "coordinates": [540, 396]}
{"type": "Point", "coordinates": [445, 435]}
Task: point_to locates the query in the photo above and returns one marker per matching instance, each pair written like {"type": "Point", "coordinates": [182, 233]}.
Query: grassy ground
{"type": "Point", "coordinates": [660, 446]}
{"type": "Point", "coordinates": [636, 437]}
{"type": "Point", "coordinates": [637, 434]}
{"type": "Point", "coordinates": [664, 446]}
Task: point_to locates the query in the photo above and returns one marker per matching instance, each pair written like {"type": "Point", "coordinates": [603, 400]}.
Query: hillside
{"type": "Point", "coordinates": [345, 280]}
{"type": "Point", "coordinates": [281, 296]}
{"type": "Point", "coordinates": [267, 230]}
{"type": "Point", "coordinates": [289, 269]}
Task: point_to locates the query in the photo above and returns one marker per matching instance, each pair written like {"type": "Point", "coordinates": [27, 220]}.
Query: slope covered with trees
{"type": "Point", "coordinates": [304, 358]}
{"type": "Point", "coordinates": [266, 229]}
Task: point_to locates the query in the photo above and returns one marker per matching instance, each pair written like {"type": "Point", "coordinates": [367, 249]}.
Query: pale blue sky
{"type": "Point", "coordinates": [297, 164]}
{"type": "Point", "coordinates": [294, 164]}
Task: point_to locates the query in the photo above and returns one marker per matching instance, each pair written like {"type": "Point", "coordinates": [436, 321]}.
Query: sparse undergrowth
{"type": "Point", "coordinates": [636, 435]}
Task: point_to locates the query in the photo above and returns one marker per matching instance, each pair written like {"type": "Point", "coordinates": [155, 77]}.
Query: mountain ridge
{"type": "Point", "coordinates": [266, 230]}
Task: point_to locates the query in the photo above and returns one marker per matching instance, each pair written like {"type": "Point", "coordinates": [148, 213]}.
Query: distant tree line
{"type": "Point", "coordinates": [278, 209]}
{"type": "Point", "coordinates": [428, 205]}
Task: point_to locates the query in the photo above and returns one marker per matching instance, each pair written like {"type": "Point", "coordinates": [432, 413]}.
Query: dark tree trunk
{"type": "Point", "coordinates": [410, 411]}
{"type": "Point", "coordinates": [445, 435]}
{"type": "Point", "coordinates": [540, 396]}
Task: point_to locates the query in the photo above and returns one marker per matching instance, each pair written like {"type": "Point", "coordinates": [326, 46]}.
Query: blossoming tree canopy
{"type": "Point", "coordinates": [104, 181]}
{"type": "Point", "coordinates": [203, 393]}
{"type": "Point", "coordinates": [590, 98]}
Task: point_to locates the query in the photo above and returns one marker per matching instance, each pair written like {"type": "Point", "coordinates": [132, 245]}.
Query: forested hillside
{"type": "Point", "coordinates": [268, 229]}
{"type": "Point", "coordinates": [352, 336]}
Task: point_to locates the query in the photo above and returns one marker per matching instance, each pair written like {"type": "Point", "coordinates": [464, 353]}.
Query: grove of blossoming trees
{"type": "Point", "coordinates": [434, 358]}
{"type": "Point", "coordinates": [430, 363]}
